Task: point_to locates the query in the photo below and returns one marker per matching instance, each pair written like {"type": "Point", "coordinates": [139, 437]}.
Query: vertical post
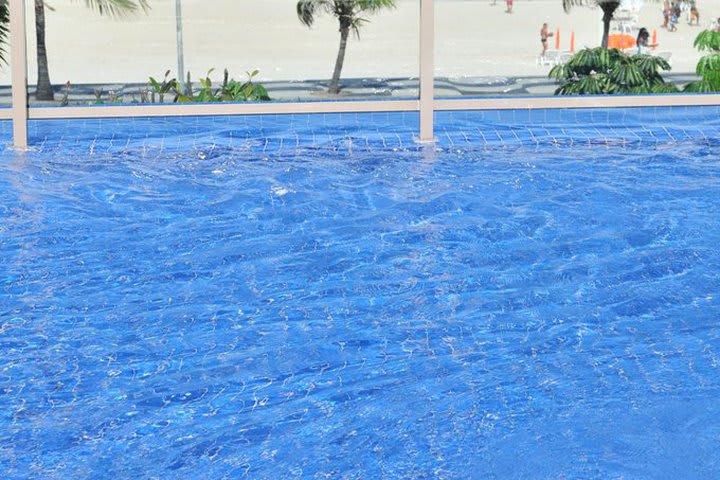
{"type": "Point", "coordinates": [427, 69]}
{"type": "Point", "coordinates": [18, 67]}
{"type": "Point", "coordinates": [180, 49]}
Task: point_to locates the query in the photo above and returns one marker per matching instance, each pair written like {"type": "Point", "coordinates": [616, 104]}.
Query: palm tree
{"type": "Point", "coordinates": [348, 14]}
{"type": "Point", "coordinates": [608, 8]}
{"type": "Point", "coordinates": [113, 8]}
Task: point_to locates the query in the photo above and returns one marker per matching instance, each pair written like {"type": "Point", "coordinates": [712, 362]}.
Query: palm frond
{"type": "Point", "coordinates": [306, 12]}
{"type": "Point", "coordinates": [348, 12]}
{"type": "Point", "coordinates": [701, 86]}
{"type": "Point", "coordinates": [373, 5]}
{"type": "Point", "coordinates": [712, 77]}
{"type": "Point", "coordinates": [569, 4]}
{"type": "Point", "coordinates": [650, 64]}
{"type": "Point", "coordinates": [308, 9]}
{"type": "Point", "coordinates": [560, 72]}
{"type": "Point", "coordinates": [708, 63]}
{"type": "Point", "coordinates": [117, 8]}
{"type": "Point", "coordinates": [707, 40]}
{"type": "Point", "coordinates": [627, 74]}
{"type": "Point", "coordinates": [4, 29]}
{"type": "Point", "coordinates": [664, 88]}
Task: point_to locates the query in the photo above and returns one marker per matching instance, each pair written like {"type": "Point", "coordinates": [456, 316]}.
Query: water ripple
{"type": "Point", "coordinates": [459, 313]}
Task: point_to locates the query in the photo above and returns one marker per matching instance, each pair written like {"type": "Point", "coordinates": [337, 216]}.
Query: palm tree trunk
{"type": "Point", "coordinates": [44, 87]}
{"type": "Point", "coordinates": [608, 9]}
{"type": "Point", "coordinates": [335, 82]}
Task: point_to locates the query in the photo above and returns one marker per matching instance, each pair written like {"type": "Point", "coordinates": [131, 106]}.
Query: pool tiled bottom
{"type": "Point", "coordinates": [361, 132]}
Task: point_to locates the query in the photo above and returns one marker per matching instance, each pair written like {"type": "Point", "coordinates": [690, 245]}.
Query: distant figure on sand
{"type": "Point", "coordinates": [694, 14]}
{"type": "Point", "coordinates": [643, 40]}
{"type": "Point", "coordinates": [509, 4]}
{"type": "Point", "coordinates": [674, 16]}
{"type": "Point", "coordinates": [545, 33]}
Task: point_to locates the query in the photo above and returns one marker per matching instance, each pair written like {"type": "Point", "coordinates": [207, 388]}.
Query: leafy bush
{"type": "Point", "coordinates": [708, 67]}
{"type": "Point", "coordinates": [161, 89]}
{"type": "Point", "coordinates": [595, 71]}
{"type": "Point", "coordinates": [229, 91]}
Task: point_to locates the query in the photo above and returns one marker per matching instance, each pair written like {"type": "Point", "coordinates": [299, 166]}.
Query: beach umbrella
{"type": "Point", "coordinates": [180, 53]}
{"type": "Point", "coordinates": [557, 39]}
{"type": "Point", "coordinates": [572, 41]}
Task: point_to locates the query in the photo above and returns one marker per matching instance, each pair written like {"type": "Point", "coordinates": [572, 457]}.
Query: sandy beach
{"type": "Point", "coordinates": [474, 38]}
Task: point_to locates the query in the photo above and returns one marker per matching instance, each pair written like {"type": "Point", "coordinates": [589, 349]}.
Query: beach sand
{"type": "Point", "coordinates": [474, 38]}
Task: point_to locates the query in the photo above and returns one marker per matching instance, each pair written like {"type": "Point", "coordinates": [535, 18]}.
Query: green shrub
{"type": "Point", "coordinates": [229, 91]}
{"type": "Point", "coordinates": [595, 71]}
{"type": "Point", "coordinates": [708, 67]}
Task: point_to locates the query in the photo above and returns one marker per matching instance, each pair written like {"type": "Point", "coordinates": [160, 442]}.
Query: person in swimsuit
{"type": "Point", "coordinates": [545, 33]}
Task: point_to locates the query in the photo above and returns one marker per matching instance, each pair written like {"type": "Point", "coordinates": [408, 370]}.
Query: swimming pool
{"type": "Point", "coordinates": [537, 296]}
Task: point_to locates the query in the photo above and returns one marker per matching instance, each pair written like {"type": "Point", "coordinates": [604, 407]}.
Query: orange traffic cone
{"type": "Point", "coordinates": [654, 39]}
{"type": "Point", "coordinates": [557, 39]}
{"type": "Point", "coordinates": [572, 41]}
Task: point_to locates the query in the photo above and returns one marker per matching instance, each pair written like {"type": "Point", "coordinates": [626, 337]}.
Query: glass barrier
{"type": "Point", "coordinates": [489, 48]}
{"type": "Point", "coordinates": [231, 51]}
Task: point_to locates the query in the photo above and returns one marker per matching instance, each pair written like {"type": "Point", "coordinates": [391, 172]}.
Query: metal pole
{"type": "Point", "coordinates": [427, 69]}
{"type": "Point", "coordinates": [18, 67]}
{"type": "Point", "coordinates": [180, 54]}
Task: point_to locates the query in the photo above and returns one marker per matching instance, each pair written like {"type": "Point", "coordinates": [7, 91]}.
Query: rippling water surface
{"type": "Point", "coordinates": [413, 314]}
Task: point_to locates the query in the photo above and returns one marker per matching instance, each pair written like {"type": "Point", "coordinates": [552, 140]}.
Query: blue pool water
{"type": "Point", "coordinates": [520, 301]}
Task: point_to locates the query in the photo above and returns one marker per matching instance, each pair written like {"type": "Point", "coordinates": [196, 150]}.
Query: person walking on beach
{"type": "Point", "coordinates": [545, 33]}
{"type": "Point", "coordinates": [509, 4]}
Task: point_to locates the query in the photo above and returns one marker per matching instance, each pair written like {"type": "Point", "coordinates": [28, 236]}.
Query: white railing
{"type": "Point", "coordinates": [426, 104]}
